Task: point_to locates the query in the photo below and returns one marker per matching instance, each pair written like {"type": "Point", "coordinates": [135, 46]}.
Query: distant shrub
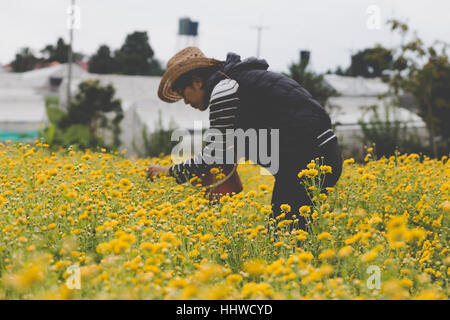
{"type": "Point", "coordinates": [158, 142]}
{"type": "Point", "coordinates": [389, 134]}
{"type": "Point", "coordinates": [93, 111]}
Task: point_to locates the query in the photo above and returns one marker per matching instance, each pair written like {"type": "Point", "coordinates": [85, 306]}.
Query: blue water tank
{"type": "Point", "coordinates": [186, 27]}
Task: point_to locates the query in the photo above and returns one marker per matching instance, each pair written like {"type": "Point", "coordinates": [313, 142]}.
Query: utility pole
{"type": "Point", "coordinates": [70, 54]}
{"type": "Point", "coordinates": [258, 44]}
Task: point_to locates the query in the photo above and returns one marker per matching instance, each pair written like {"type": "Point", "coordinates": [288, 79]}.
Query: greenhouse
{"type": "Point", "coordinates": [22, 105]}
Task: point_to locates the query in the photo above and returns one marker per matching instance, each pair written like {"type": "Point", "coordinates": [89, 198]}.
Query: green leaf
{"type": "Point", "coordinates": [54, 114]}
{"type": "Point", "coordinates": [77, 134]}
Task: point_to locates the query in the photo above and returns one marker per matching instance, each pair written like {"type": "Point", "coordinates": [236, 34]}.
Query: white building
{"type": "Point", "coordinates": [22, 104]}
{"type": "Point", "coordinates": [357, 95]}
{"type": "Point", "coordinates": [22, 99]}
{"type": "Point", "coordinates": [22, 108]}
{"type": "Point", "coordinates": [141, 107]}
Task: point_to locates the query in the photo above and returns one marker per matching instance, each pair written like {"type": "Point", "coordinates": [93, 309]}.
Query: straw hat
{"type": "Point", "coordinates": [186, 60]}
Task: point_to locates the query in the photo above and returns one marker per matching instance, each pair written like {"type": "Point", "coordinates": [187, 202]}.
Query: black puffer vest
{"type": "Point", "coordinates": [272, 100]}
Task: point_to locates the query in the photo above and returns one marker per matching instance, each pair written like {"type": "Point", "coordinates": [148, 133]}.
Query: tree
{"type": "Point", "coordinates": [339, 71]}
{"type": "Point", "coordinates": [428, 82]}
{"type": "Point", "coordinates": [135, 57]}
{"type": "Point", "coordinates": [388, 133]}
{"type": "Point", "coordinates": [103, 62]}
{"type": "Point", "coordinates": [24, 61]}
{"type": "Point", "coordinates": [156, 68]}
{"type": "Point", "coordinates": [91, 109]}
{"type": "Point", "coordinates": [370, 62]}
{"type": "Point", "coordinates": [59, 53]}
{"type": "Point", "coordinates": [311, 81]}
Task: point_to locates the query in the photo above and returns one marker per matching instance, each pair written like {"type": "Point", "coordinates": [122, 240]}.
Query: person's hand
{"type": "Point", "coordinates": [155, 171]}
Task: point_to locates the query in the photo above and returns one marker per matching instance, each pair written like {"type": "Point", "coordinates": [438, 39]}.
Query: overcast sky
{"type": "Point", "coordinates": [330, 29]}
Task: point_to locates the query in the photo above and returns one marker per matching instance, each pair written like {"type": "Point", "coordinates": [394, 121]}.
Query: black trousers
{"type": "Point", "coordinates": [288, 188]}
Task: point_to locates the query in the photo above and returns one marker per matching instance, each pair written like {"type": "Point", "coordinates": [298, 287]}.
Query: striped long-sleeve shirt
{"type": "Point", "coordinates": [223, 108]}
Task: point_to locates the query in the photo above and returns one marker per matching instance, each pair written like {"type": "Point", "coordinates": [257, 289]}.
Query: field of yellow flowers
{"type": "Point", "coordinates": [136, 239]}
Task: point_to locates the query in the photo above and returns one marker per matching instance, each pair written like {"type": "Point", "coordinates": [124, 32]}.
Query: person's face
{"type": "Point", "coordinates": [194, 94]}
